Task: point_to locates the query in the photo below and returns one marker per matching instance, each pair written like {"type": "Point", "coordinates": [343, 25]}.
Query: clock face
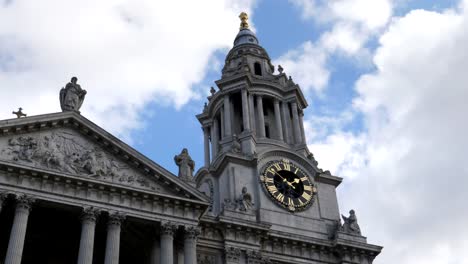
{"type": "Point", "coordinates": [288, 185]}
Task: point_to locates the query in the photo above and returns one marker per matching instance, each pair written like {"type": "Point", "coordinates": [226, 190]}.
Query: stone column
{"type": "Point", "coordinates": [221, 118]}
{"type": "Point", "coordinates": [279, 126]}
{"type": "Point", "coordinates": [113, 238]}
{"type": "Point", "coordinates": [88, 227]}
{"type": "Point", "coordinates": [296, 126]}
{"type": "Point", "coordinates": [301, 122]}
{"type": "Point", "coordinates": [3, 196]}
{"type": "Point", "coordinates": [214, 138]}
{"type": "Point", "coordinates": [286, 123]}
{"type": "Point", "coordinates": [206, 137]}
{"type": "Point", "coordinates": [245, 110]}
{"type": "Point", "coordinates": [18, 231]}
{"type": "Point", "coordinates": [190, 244]}
{"type": "Point", "coordinates": [252, 113]}
{"type": "Point", "coordinates": [156, 252]}
{"type": "Point", "coordinates": [167, 242]}
{"type": "Point", "coordinates": [227, 116]}
{"type": "Point", "coordinates": [261, 117]}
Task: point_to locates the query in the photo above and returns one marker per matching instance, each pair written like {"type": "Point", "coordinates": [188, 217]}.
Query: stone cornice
{"type": "Point", "coordinates": [104, 139]}
{"type": "Point", "coordinates": [80, 191]}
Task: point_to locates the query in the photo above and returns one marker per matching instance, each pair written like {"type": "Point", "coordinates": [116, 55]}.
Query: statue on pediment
{"type": "Point", "coordinates": [72, 96]}
{"type": "Point", "coordinates": [350, 224]}
{"type": "Point", "coordinates": [245, 203]}
{"type": "Point", "coordinates": [186, 165]}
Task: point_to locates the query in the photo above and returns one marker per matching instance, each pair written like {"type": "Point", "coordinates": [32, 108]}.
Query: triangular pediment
{"type": "Point", "coordinates": [68, 143]}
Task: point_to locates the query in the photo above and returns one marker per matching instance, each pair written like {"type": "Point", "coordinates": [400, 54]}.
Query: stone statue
{"type": "Point", "coordinates": [236, 146]}
{"type": "Point", "coordinates": [245, 200]}
{"type": "Point", "coordinates": [186, 165]}
{"type": "Point", "coordinates": [72, 96]}
{"type": "Point", "coordinates": [350, 224]}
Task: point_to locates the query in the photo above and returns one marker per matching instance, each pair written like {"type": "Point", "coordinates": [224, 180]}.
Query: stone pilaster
{"type": "Point", "coordinates": [113, 238]}
{"type": "Point", "coordinates": [227, 116]}
{"type": "Point", "coordinates": [261, 117]}
{"type": "Point", "coordinates": [252, 113]}
{"type": "Point", "coordinates": [18, 231]}
{"type": "Point", "coordinates": [167, 242]}
{"type": "Point", "coordinates": [206, 137]}
{"type": "Point", "coordinates": [296, 125]}
{"type": "Point", "coordinates": [214, 138]}
{"type": "Point", "coordinates": [232, 255]}
{"type": "Point", "coordinates": [190, 244]}
{"type": "Point", "coordinates": [245, 110]}
{"type": "Point", "coordinates": [286, 124]}
{"type": "Point", "coordinates": [88, 227]}
{"type": "Point", "coordinates": [279, 125]}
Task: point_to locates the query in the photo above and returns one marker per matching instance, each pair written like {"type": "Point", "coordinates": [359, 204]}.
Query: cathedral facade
{"type": "Point", "coordinates": [70, 192]}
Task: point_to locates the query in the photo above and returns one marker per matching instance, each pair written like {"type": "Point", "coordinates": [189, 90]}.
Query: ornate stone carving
{"type": "Point", "coordinates": [89, 214]}
{"type": "Point", "coordinates": [350, 224]}
{"type": "Point", "coordinates": [72, 96]}
{"type": "Point", "coordinates": [232, 254]}
{"type": "Point", "coordinates": [186, 165]}
{"type": "Point", "coordinates": [64, 151]}
{"type": "Point", "coordinates": [168, 228]}
{"type": "Point", "coordinates": [24, 201]}
{"type": "Point", "coordinates": [191, 232]}
{"type": "Point", "coordinates": [255, 257]}
{"type": "Point", "coordinates": [229, 205]}
{"type": "Point", "coordinates": [206, 259]}
{"type": "Point", "coordinates": [116, 218]}
{"type": "Point", "coordinates": [245, 203]}
{"type": "Point", "coordinates": [3, 197]}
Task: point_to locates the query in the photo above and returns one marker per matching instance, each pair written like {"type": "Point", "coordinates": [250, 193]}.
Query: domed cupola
{"type": "Point", "coordinates": [245, 35]}
{"type": "Point", "coordinates": [247, 55]}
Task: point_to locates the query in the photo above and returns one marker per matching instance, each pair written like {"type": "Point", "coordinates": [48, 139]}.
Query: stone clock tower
{"type": "Point", "coordinates": [258, 172]}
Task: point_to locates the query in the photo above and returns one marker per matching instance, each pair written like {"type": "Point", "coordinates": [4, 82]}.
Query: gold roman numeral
{"type": "Point", "coordinates": [268, 179]}
{"type": "Point", "coordinates": [306, 196]}
{"type": "Point", "coordinates": [308, 188]}
{"type": "Point", "coordinates": [291, 203]}
{"type": "Point", "coordinates": [287, 166]}
{"type": "Point", "coordinates": [297, 169]}
{"type": "Point", "coordinates": [272, 188]}
{"type": "Point", "coordinates": [271, 170]}
{"type": "Point", "coordinates": [304, 178]}
{"type": "Point", "coordinates": [277, 166]}
{"type": "Point", "coordinates": [280, 197]}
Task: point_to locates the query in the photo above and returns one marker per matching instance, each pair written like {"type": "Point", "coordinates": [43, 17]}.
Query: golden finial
{"type": "Point", "coordinates": [244, 18]}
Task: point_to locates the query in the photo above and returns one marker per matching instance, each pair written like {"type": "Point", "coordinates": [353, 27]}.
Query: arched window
{"type": "Point", "coordinates": [257, 69]}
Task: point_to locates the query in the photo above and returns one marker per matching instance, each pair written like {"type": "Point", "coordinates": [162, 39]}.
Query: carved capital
{"type": "Point", "coordinates": [89, 214]}
{"type": "Point", "coordinates": [192, 232]}
{"type": "Point", "coordinates": [24, 202]}
{"type": "Point", "coordinates": [3, 196]}
{"type": "Point", "coordinates": [232, 254]}
{"type": "Point", "coordinates": [255, 257]}
{"type": "Point", "coordinates": [116, 218]}
{"type": "Point", "coordinates": [168, 228]}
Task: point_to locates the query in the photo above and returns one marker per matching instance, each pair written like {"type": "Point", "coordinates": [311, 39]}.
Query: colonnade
{"type": "Point", "coordinates": [288, 130]}
{"type": "Point", "coordinates": [163, 249]}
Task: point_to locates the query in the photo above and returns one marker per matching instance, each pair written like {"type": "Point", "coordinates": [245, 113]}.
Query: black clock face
{"type": "Point", "coordinates": [288, 185]}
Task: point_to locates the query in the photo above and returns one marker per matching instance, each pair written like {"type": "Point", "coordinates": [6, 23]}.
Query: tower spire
{"type": "Point", "coordinates": [244, 21]}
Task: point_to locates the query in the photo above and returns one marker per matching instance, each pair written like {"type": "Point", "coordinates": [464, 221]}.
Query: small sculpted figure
{"type": "Point", "coordinates": [236, 146]}
{"type": "Point", "coordinates": [245, 200]}
{"type": "Point", "coordinates": [72, 96]}
{"type": "Point", "coordinates": [350, 224]}
{"type": "Point", "coordinates": [186, 165]}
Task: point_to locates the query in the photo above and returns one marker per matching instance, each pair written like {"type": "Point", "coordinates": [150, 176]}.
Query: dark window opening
{"type": "Point", "coordinates": [267, 131]}
{"type": "Point", "coordinates": [257, 69]}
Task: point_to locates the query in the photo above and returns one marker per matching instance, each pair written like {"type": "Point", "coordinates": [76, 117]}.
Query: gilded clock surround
{"type": "Point", "coordinates": [288, 185]}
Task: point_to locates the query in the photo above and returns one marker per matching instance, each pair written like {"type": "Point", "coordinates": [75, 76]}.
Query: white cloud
{"type": "Point", "coordinates": [409, 182]}
{"type": "Point", "coordinates": [306, 64]}
{"type": "Point", "coordinates": [125, 53]}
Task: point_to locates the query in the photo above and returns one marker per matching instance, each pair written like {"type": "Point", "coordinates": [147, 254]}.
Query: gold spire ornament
{"type": "Point", "coordinates": [244, 21]}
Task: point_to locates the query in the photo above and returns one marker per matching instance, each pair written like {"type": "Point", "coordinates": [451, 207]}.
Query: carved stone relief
{"type": "Point", "coordinates": [66, 151]}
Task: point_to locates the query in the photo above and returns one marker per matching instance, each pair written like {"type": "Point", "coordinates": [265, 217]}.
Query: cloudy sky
{"type": "Point", "coordinates": [386, 80]}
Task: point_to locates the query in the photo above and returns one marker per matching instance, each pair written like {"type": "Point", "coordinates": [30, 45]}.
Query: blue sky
{"type": "Point", "coordinates": [385, 81]}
